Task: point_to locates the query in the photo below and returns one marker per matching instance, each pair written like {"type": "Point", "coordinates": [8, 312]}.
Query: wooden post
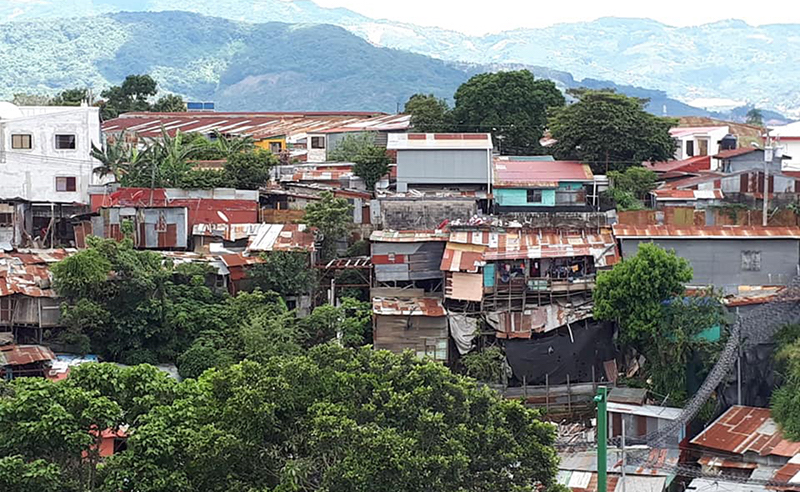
{"type": "Point", "coordinates": [569, 396]}
{"type": "Point", "coordinates": [525, 388]}
{"type": "Point", "coordinates": [547, 392]}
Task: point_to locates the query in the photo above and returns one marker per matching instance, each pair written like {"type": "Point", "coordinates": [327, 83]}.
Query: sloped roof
{"type": "Point", "coordinates": [387, 236]}
{"type": "Point", "coordinates": [705, 232]}
{"type": "Point", "coordinates": [544, 174]}
{"type": "Point", "coordinates": [669, 194]}
{"type": "Point", "coordinates": [282, 237]}
{"type": "Point", "coordinates": [731, 153]}
{"type": "Point", "coordinates": [692, 164]}
{"type": "Point", "coordinates": [467, 250]}
{"type": "Point", "coordinates": [442, 141]}
{"type": "Point", "coordinates": [423, 306]}
{"type": "Point", "coordinates": [28, 273]}
{"type": "Point", "coordinates": [20, 355]}
{"type": "Point", "coordinates": [746, 429]}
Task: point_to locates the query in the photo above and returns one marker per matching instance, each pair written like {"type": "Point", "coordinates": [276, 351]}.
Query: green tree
{"type": "Point", "coordinates": [334, 219]}
{"type": "Point", "coordinates": [171, 103]}
{"type": "Point", "coordinates": [24, 99]}
{"type": "Point", "coordinates": [336, 419]}
{"type": "Point", "coordinates": [249, 170]}
{"type": "Point", "coordinates": [754, 117]}
{"type": "Point", "coordinates": [610, 131]}
{"type": "Point", "coordinates": [633, 291]}
{"type": "Point", "coordinates": [71, 97]}
{"type": "Point", "coordinates": [512, 106]}
{"type": "Point", "coordinates": [351, 146]}
{"type": "Point", "coordinates": [132, 95]}
{"type": "Point", "coordinates": [785, 402]}
{"type": "Point", "coordinates": [288, 273]}
{"type": "Point", "coordinates": [429, 114]}
{"type": "Point", "coordinates": [114, 156]}
{"type": "Point", "coordinates": [17, 475]}
{"type": "Point", "coordinates": [371, 165]}
{"type": "Point", "coordinates": [635, 180]}
{"type": "Point", "coordinates": [485, 365]}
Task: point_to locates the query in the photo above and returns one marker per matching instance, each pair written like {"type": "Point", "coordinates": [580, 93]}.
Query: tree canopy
{"type": "Point", "coordinates": [754, 117]}
{"type": "Point", "coordinates": [610, 131]}
{"type": "Point", "coordinates": [632, 293]}
{"type": "Point", "coordinates": [334, 219]}
{"type": "Point", "coordinates": [786, 399]}
{"type": "Point", "coordinates": [513, 106]}
{"type": "Point", "coordinates": [286, 272]}
{"type": "Point", "coordinates": [429, 114]}
{"type": "Point", "coordinates": [339, 420]}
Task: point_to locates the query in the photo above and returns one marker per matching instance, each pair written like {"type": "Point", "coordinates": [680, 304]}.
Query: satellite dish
{"type": "Point", "coordinates": [223, 216]}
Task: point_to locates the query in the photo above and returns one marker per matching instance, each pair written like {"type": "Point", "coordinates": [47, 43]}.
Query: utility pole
{"type": "Point", "coordinates": [602, 438]}
{"type": "Point", "coordinates": [624, 457]}
{"type": "Point", "coordinates": [739, 369]}
{"type": "Point", "coordinates": [768, 154]}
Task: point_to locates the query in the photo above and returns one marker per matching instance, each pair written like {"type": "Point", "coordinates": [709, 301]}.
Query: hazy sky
{"type": "Point", "coordinates": [482, 16]}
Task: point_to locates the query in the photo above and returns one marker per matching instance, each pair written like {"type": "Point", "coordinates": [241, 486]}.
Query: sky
{"type": "Point", "coordinates": [483, 16]}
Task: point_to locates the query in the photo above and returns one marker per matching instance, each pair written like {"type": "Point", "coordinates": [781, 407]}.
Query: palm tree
{"type": "Point", "coordinates": [112, 157]}
{"type": "Point", "coordinates": [168, 158]}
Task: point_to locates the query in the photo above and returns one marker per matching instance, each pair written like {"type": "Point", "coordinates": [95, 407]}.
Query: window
{"type": "Point", "coordinates": [65, 142]}
{"type": "Point", "coordinates": [751, 261]}
{"type": "Point", "coordinates": [534, 196]}
{"type": "Point", "coordinates": [275, 147]}
{"type": "Point", "coordinates": [64, 183]}
{"type": "Point", "coordinates": [6, 220]}
{"type": "Point", "coordinates": [702, 146]}
{"type": "Point", "coordinates": [690, 148]}
{"type": "Point", "coordinates": [317, 142]}
{"type": "Point", "coordinates": [23, 142]}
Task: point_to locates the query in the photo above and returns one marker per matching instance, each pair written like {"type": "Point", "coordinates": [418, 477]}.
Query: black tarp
{"type": "Point", "coordinates": [557, 355]}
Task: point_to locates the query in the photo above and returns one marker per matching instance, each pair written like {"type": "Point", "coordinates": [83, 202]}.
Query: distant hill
{"type": "Point", "coordinates": [245, 66]}
{"type": "Point", "coordinates": [240, 66]}
{"type": "Point", "coordinates": [725, 63]}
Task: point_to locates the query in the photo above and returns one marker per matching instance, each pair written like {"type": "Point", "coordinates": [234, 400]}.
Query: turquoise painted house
{"type": "Point", "coordinates": [541, 184]}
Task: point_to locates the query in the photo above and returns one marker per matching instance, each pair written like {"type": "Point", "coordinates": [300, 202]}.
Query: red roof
{"type": "Point", "coordinates": [668, 194]}
{"type": "Point", "coordinates": [690, 165]}
{"type": "Point", "coordinates": [705, 232]}
{"type": "Point", "coordinates": [545, 174]}
{"type": "Point", "coordinates": [727, 154]}
{"type": "Point", "coordinates": [746, 429]}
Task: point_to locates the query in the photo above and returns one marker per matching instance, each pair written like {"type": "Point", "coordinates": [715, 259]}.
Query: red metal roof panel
{"type": "Point", "coordinates": [545, 174]}
{"type": "Point", "coordinates": [706, 232]}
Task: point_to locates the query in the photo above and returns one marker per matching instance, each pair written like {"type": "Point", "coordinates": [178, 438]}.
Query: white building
{"type": "Point", "coordinates": [788, 137]}
{"type": "Point", "coordinates": [45, 168]}
{"type": "Point", "coordinates": [698, 141]}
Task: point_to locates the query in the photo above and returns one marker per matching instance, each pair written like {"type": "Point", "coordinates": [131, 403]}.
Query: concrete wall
{"type": "Point", "coordinates": [718, 262]}
{"type": "Point", "coordinates": [421, 214]}
{"type": "Point", "coordinates": [31, 174]}
{"type": "Point", "coordinates": [436, 166]}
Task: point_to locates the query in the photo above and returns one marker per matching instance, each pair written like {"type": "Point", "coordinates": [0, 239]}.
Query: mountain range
{"type": "Point", "coordinates": [726, 63]}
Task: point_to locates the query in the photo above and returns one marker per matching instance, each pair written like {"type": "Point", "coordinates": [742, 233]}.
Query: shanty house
{"type": "Point", "coordinates": [28, 304]}
{"type": "Point", "coordinates": [25, 361]}
{"type": "Point", "coordinates": [408, 257]}
{"type": "Point", "coordinates": [577, 470]}
{"type": "Point", "coordinates": [153, 227]}
{"type": "Point", "coordinates": [416, 324]}
{"type": "Point", "coordinates": [724, 256]}
{"type": "Point", "coordinates": [694, 141]}
{"type": "Point", "coordinates": [629, 405]}
{"type": "Point", "coordinates": [524, 267]}
{"type": "Point", "coordinates": [442, 159]}
{"type": "Point", "coordinates": [527, 184]}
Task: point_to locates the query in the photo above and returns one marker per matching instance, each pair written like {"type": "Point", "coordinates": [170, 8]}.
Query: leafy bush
{"type": "Point", "coordinates": [485, 365]}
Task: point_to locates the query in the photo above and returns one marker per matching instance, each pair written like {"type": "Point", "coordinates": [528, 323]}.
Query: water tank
{"type": "Point", "coordinates": [728, 142]}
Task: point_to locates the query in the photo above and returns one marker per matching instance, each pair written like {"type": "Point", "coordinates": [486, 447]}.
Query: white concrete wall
{"type": "Point", "coordinates": [792, 149]}
{"type": "Point", "coordinates": [713, 138]}
{"type": "Point", "coordinates": [31, 174]}
{"type": "Point", "coordinates": [317, 155]}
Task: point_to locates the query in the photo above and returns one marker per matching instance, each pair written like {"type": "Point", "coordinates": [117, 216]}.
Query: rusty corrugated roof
{"type": "Point", "coordinates": [706, 232]}
{"type": "Point", "coordinates": [666, 194]}
{"type": "Point", "coordinates": [20, 355]}
{"type": "Point", "coordinates": [27, 273]}
{"type": "Point", "coordinates": [423, 306]}
{"type": "Point", "coordinates": [746, 429]}
{"type": "Point", "coordinates": [483, 246]}
{"type": "Point", "coordinates": [409, 236]}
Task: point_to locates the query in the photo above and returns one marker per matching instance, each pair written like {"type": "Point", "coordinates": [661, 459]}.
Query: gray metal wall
{"type": "Point", "coordinates": [443, 166]}
{"type": "Point", "coordinates": [718, 262]}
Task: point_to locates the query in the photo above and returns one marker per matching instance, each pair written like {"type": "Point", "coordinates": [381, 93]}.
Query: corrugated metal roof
{"type": "Point", "coordinates": [631, 396]}
{"type": "Point", "coordinates": [542, 174]}
{"type": "Point", "coordinates": [788, 474]}
{"type": "Point", "coordinates": [684, 131]}
{"type": "Point", "coordinates": [669, 194]}
{"type": "Point", "coordinates": [728, 154]}
{"type": "Point", "coordinates": [654, 464]}
{"type": "Point", "coordinates": [692, 164]}
{"type": "Point", "coordinates": [234, 260]}
{"type": "Point", "coordinates": [654, 411]}
{"type": "Point", "coordinates": [706, 232]}
{"type": "Point", "coordinates": [20, 355]}
{"type": "Point", "coordinates": [513, 245]}
{"type": "Point", "coordinates": [228, 232]}
{"type": "Point", "coordinates": [408, 236]}
{"type": "Point", "coordinates": [294, 126]}
{"type": "Point", "coordinates": [423, 306]}
{"type": "Point", "coordinates": [442, 141]}
{"type": "Point", "coordinates": [746, 429]}
{"type": "Point", "coordinates": [282, 237]}
{"type": "Point", "coordinates": [27, 273]}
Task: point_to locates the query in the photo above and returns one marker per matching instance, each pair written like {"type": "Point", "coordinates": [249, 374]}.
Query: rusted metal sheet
{"type": "Point", "coordinates": [542, 319]}
{"type": "Point", "coordinates": [421, 306]}
{"type": "Point", "coordinates": [282, 237]}
{"type": "Point", "coordinates": [513, 245]}
{"type": "Point", "coordinates": [706, 232]}
{"type": "Point", "coordinates": [154, 227]}
{"type": "Point", "coordinates": [746, 429]}
{"type": "Point", "coordinates": [426, 336]}
{"type": "Point", "coordinates": [409, 236]}
{"type": "Point", "coordinates": [20, 355]}
{"type": "Point", "coordinates": [788, 474]}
